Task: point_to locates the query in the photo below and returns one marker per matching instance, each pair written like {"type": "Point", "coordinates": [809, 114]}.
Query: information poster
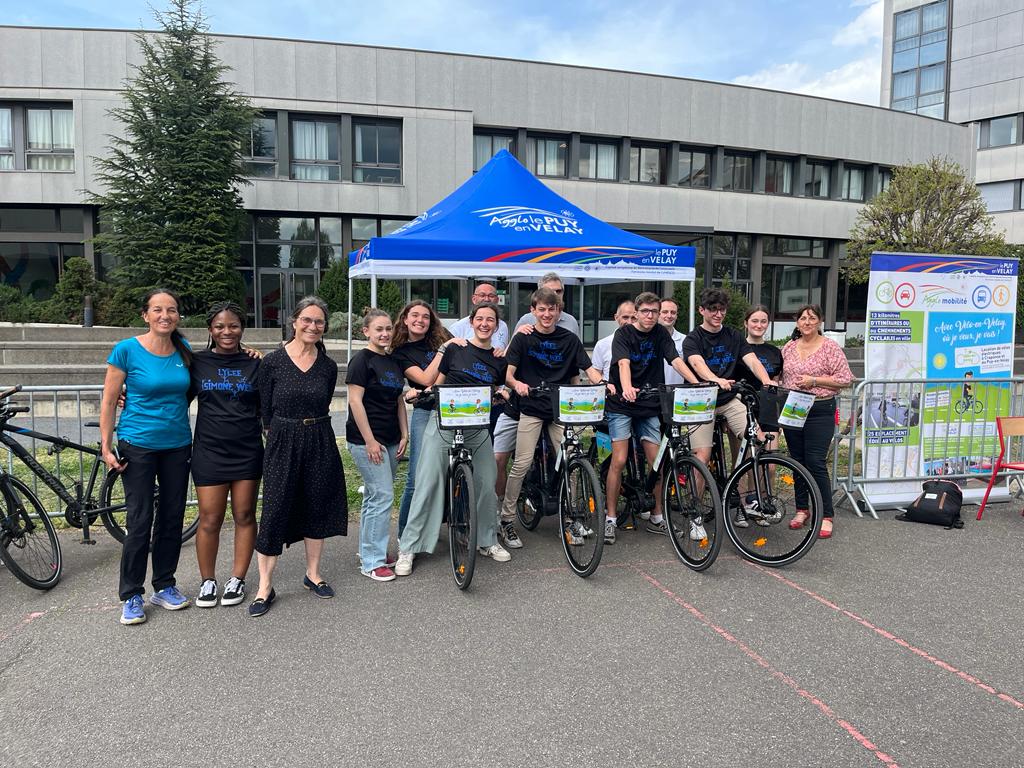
{"type": "Point", "coordinates": [462, 407]}
{"type": "Point", "coordinates": [931, 318]}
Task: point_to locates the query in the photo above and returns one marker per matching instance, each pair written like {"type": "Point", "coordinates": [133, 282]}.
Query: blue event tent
{"type": "Point", "coordinates": [504, 222]}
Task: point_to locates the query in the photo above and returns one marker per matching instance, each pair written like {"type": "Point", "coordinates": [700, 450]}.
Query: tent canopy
{"type": "Point", "coordinates": [504, 222]}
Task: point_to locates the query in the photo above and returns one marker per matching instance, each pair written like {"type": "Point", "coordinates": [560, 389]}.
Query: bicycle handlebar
{"type": "Point", "coordinates": [7, 393]}
{"type": "Point", "coordinates": [17, 409]}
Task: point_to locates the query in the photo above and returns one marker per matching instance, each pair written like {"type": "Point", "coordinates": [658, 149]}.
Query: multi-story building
{"type": "Point", "coordinates": [354, 140]}
{"type": "Point", "coordinates": [963, 60]}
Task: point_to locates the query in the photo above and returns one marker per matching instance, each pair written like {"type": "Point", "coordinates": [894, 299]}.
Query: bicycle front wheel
{"type": "Point", "coordinates": [760, 500]}
{"type": "Point", "coordinates": [462, 525]}
{"type": "Point", "coordinates": [112, 500]}
{"type": "Point", "coordinates": [693, 512]}
{"type": "Point", "coordinates": [28, 542]}
{"type": "Point", "coordinates": [581, 516]}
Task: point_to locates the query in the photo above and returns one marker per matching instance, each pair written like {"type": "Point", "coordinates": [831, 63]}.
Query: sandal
{"type": "Point", "coordinates": [799, 519]}
{"type": "Point", "coordinates": [826, 529]}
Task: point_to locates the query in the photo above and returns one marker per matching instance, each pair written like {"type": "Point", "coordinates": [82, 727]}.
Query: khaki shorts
{"type": "Point", "coordinates": [735, 413]}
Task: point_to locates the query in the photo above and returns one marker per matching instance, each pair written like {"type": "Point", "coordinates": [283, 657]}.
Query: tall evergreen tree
{"type": "Point", "coordinates": [170, 207]}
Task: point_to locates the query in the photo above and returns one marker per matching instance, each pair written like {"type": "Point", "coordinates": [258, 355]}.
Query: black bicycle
{"type": "Point", "coordinates": [760, 493]}
{"type": "Point", "coordinates": [689, 495]}
{"type": "Point", "coordinates": [29, 545]}
{"type": "Point", "coordinates": [562, 480]}
{"type": "Point", "coordinates": [459, 497]}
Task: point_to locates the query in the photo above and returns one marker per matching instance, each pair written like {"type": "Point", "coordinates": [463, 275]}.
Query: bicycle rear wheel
{"type": "Point", "coordinates": [764, 490]}
{"type": "Point", "coordinates": [693, 511]}
{"type": "Point", "coordinates": [530, 504]}
{"type": "Point", "coordinates": [28, 542]}
{"type": "Point", "coordinates": [462, 525]}
{"type": "Point", "coordinates": [115, 517]}
{"type": "Point", "coordinates": [581, 516]}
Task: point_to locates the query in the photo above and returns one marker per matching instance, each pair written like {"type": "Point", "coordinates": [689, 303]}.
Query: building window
{"type": "Point", "coordinates": [546, 157]}
{"type": "Point", "coordinates": [853, 183]}
{"type": "Point", "coordinates": [1002, 131]}
{"type": "Point", "coordinates": [260, 152]}
{"type": "Point", "coordinates": [998, 196]}
{"type": "Point", "coordinates": [316, 152]}
{"type": "Point", "coordinates": [50, 144]}
{"type": "Point", "coordinates": [817, 184]}
{"type": "Point", "coordinates": [487, 145]}
{"type": "Point", "coordinates": [286, 242]}
{"type": "Point", "coordinates": [884, 180]}
{"type": "Point", "coordinates": [778, 176]}
{"type": "Point", "coordinates": [731, 261]}
{"type": "Point", "coordinates": [646, 164]}
{"type": "Point", "coordinates": [919, 60]}
{"type": "Point", "coordinates": [738, 172]}
{"type": "Point", "coordinates": [795, 247]}
{"type": "Point", "coordinates": [378, 152]}
{"type": "Point", "coordinates": [6, 139]}
{"type": "Point", "coordinates": [694, 168]}
{"type": "Point", "coordinates": [599, 161]}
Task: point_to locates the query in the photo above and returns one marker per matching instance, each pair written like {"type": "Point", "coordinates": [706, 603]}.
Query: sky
{"type": "Point", "coordinates": [828, 48]}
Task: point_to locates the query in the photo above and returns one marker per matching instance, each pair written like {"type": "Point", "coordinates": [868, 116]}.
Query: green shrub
{"type": "Point", "coordinates": [14, 307]}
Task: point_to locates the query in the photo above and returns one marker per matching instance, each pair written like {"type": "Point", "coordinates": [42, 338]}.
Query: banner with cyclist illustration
{"type": "Point", "coordinates": [935, 317]}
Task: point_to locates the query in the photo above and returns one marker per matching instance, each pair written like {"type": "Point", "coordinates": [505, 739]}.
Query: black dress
{"type": "Point", "coordinates": [228, 443]}
{"type": "Point", "coordinates": [303, 482]}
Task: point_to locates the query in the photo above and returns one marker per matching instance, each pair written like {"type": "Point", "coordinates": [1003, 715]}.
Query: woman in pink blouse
{"type": "Point", "coordinates": [812, 363]}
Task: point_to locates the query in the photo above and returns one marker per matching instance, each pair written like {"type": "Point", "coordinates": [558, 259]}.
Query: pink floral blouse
{"type": "Point", "coordinates": [829, 360]}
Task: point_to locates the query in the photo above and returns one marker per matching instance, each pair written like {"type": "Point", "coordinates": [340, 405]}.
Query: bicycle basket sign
{"type": "Point", "coordinates": [795, 410]}
{"type": "Point", "coordinates": [694, 405]}
{"type": "Point", "coordinates": [459, 407]}
{"type": "Point", "coordinates": [580, 405]}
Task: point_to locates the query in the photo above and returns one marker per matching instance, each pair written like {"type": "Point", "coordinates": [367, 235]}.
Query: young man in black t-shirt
{"type": "Point", "coordinates": [548, 354]}
{"type": "Point", "coordinates": [714, 351]}
{"type": "Point", "coordinates": [639, 354]}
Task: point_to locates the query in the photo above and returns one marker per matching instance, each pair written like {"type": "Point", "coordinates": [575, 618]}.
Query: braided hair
{"type": "Point", "coordinates": [216, 309]}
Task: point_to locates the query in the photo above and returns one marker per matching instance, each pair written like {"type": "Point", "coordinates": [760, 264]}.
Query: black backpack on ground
{"type": "Point", "coordinates": [939, 504]}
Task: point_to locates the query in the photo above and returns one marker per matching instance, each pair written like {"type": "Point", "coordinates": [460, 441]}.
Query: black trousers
{"type": "Point", "coordinates": [810, 446]}
{"type": "Point", "coordinates": [145, 469]}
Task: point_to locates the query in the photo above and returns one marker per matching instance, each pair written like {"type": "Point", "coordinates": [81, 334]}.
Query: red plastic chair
{"type": "Point", "coordinates": [1008, 427]}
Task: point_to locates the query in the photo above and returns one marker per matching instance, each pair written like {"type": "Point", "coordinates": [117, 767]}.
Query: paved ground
{"type": "Point", "coordinates": [892, 644]}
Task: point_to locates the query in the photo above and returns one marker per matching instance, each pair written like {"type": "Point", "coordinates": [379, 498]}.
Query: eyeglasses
{"type": "Point", "coordinates": [648, 312]}
{"type": "Point", "coordinates": [315, 322]}
{"type": "Point", "coordinates": [487, 296]}
{"type": "Point", "coordinates": [715, 310]}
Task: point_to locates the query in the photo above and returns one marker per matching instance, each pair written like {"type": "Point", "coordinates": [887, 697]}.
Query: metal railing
{"type": "Point", "coordinates": [955, 429]}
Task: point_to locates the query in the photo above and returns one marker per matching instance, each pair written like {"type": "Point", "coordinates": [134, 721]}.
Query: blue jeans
{"type": "Point", "coordinates": [418, 422]}
{"type": "Point", "coordinates": [378, 498]}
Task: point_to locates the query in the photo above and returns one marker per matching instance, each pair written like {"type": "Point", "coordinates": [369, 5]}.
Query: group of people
{"type": "Point", "coordinates": [282, 401]}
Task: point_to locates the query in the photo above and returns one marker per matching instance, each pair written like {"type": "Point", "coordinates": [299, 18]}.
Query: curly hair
{"type": "Point", "coordinates": [436, 334]}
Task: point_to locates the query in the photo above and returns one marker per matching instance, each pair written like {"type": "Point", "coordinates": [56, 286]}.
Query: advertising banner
{"type": "Point", "coordinates": [930, 318]}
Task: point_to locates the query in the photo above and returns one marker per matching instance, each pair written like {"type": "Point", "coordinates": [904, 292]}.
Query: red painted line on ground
{"type": "Point", "coordinates": [565, 568]}
{"type": "Point", "coordinates": [891, 637]}
{"type": "Point", "coordinates": [29, 618]}
{"type": "Point", "coordinates": [782, 677]}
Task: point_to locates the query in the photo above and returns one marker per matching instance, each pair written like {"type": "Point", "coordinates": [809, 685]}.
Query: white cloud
{"type": "Point", "coordinates": [864, 29]}
{"type": "Point", "coordinates": [857, 80]}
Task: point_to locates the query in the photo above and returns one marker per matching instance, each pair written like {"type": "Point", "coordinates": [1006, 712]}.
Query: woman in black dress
{"type": "Point", "coordinates": [303, 481]}
{"type": "Point", "coordinates": [227, 449]}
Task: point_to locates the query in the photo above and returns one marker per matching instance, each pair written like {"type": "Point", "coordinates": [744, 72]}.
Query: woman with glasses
{"type": "Point", "coordinates": [303, 481]}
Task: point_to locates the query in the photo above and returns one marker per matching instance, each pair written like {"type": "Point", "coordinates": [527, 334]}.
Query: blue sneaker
{"type": "Point", "coordinates": [134, 611]}
{"type": "Point", "coordinates": [170, 598]}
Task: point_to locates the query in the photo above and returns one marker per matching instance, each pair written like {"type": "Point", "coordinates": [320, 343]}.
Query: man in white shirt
{"type": "Point", "coordinates": [625, 314]}
{"type": "Point", "coordinates": [667, 317]}
{"type": "Point", "coordinates": [553, 282]}
{"type": "Point", "coordinates": [484, 293]}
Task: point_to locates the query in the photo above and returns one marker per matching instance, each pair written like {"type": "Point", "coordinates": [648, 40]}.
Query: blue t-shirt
{"type": "Point", "coordinates": [155, 414]}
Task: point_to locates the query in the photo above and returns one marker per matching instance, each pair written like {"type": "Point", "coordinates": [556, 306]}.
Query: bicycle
{"type": "Point", "coordinates": [762, 488]}
{"type": "Point", "coordinates": [639, 500]}
{"type": "Point", "coordinates": [460, 501]}
{"type": "Point", "coordinates": [29, 545]}
{"type": "Point", "coordinates": [562, 481]}
{"type": "Point", "coordinates": [969, 403]}
{"type": "Point", "coordinates": [690, 500]}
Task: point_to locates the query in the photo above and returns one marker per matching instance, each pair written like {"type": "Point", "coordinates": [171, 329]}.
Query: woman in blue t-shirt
{"type": "Point", "coordinates": [154, 446]}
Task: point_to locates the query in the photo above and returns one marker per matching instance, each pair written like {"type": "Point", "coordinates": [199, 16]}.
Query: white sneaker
{"type": "Point", "coordinates": [496, 552]}
{"type": "Point", "coordinates": [404, 565]}
{"type": "Point", "coordinates": [645, 515]}
{"type": "Point", "coordinates": [697, 532]}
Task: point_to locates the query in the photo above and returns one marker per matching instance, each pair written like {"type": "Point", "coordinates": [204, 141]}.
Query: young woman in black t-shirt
{"type": "Point", "coordinates": [770, 356]}
{"type": "Point", "coordinates": [227, 449]}
{"type": "Point", "coordinates": [419, 333]}
{"type": "Point", "coordinates": [377, 433]}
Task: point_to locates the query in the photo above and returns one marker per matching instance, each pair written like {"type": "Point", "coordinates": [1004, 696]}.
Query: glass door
{"type": "Point", "coordinates": [279, 291]}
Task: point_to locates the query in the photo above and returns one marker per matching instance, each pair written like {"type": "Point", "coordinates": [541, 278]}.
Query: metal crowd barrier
{"type": "Point", "coordinates": [61, 411]}
{"type": "Point", "coordinates": [965, 425]}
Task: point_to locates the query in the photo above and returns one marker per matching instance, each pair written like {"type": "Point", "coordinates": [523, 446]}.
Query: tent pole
{"type": "Point", "coordinates": [349, 323]}
{"type": "Point", "coordinates": [689, 319]}
{"type": "Point", "coordinates": [583, 310]}
{"type": "Point", "coordinates": [373, 290]}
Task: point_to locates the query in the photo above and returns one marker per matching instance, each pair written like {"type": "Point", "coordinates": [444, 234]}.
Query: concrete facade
{"type": "Point", "coordinates": [441, 99]}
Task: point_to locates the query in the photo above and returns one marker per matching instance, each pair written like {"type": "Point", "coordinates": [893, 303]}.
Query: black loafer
{"type": "Point", "coordinates": [323, 589]}
{"type": "Point", "coordinates": [259, 606]}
